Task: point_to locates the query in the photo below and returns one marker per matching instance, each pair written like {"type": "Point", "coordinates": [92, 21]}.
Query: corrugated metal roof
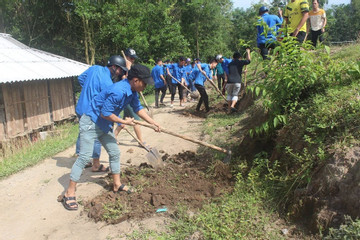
{"type": "Point", "coordinates": [19, 62]}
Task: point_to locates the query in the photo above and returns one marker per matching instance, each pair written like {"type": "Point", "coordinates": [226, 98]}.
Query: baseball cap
{"type": "Point", "coordinates": [130, 53]}
{"type": "Point", "coordinates": [142, 72]}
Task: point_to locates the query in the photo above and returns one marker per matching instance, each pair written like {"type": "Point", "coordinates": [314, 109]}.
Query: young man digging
{"type": "Point", "coordinates": [98, 121]}
{"type": "Point", "coordinates": [233, 85]}
{"type": "Point", "coordinates": [199, 74]}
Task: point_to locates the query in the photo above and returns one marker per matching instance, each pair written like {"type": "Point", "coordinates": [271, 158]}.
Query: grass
{"type": "Point", "coordinates": [38, 151]}
{"type": "Point", "coordinates": [346, 53]}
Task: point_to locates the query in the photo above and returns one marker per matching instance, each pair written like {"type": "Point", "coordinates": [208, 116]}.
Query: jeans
{"type": "Point", "coordinates": [192, 85]}
{"type": "Point", "coordinates": [96, 148]}
{"type": "Point", "coordinates": [89, 132]}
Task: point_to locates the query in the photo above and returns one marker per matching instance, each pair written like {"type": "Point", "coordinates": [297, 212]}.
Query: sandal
{"type": "Point", "coordinates": [89, 164]}
{"type": "Point", "coordinates": [69, 206]}
{"type": "Point", "coordinates": [101, 169]}
{"type": "Point", "coordinates": [121, 188]}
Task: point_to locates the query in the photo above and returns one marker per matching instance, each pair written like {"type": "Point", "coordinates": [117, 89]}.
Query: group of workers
{"type": "Point", "coordinates": [299, 21]}
{"type": "Point", "coordinates": [108, 90]}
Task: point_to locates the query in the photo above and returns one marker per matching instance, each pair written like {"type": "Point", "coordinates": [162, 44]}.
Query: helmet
{"type": "Point", "coordinates": [130, 53]}
{"type": "Point", "coordinates": [218, 57]}
{"type": "Point", "coordinates": [118, 61]}
{"type": "Point", "coordinates": [263, 9]}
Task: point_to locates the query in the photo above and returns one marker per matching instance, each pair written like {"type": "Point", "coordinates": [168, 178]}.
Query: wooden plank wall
{"type": "Point", "coordinates": [27, 105]}
{"type": "Point", "coordinates": [13, 109]}
{"type": "Point", "coordinates": [36, 105]}
{"type": "Point", "coordinates": [62, 100]}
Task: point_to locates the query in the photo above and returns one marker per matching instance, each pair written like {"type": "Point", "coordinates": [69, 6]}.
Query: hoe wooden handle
{"type": "Point", "coordinates": [184, 137]}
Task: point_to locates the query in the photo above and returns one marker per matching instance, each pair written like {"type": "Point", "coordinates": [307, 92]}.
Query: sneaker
{"type": "Point", "coordinates": [171, 105]}
{"type": "Point", "coordinates": [162, 104]}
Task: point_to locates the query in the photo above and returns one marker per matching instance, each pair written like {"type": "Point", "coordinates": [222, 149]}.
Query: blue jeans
{"type": "Point", "coordinates": [89, 132]}
{"type": "Point", "coordinates": [96, 148]}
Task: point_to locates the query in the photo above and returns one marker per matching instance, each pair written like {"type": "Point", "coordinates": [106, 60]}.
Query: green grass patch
{"type": "Point", "coordinates": [346, 53]}
{"type": "Point", "coordinates": [240, 215]}
{"type": "Point", "coordinates": [38, 151]}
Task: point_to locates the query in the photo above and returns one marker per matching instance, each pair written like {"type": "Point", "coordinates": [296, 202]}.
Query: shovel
{"type": "Point", "coordinates": [212, 84]}
{"type": "Point", "coordinates": [228, 152]}
{"type": "Point", "coordinates": [153, 155]}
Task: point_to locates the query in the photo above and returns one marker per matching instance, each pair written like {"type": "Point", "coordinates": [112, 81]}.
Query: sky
{"type": "Point", "coordinates": [247, 3]}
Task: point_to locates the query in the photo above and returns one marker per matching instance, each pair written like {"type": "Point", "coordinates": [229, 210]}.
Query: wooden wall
{"type": "Point", "coordinates": [32, 105]}
{"type": "Point", "coordinates": [62, 99]}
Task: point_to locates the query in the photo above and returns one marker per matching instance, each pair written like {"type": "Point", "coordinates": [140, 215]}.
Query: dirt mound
{"type": "Point", "coordinates": [333, 192]}
{"type": "Point", "coordinates": [186, 178]}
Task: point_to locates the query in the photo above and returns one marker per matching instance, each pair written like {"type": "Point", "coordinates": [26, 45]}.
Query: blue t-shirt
{"type": "Point", "coordinates": [112, 100]}
{"type": "Point", "coordinates": [198, 76]}
{"type": "Point", "coordinates": [155, 73]}
{"type": "Point", "coordinates": [188, 70]}
{"type": "Point", "coordinates": [93, 81]}
{"type": "Point", "coordinates": [177, 72]}
{"type": "Point", "coordinates": [274, 22]}
{"type": "Point", "coordinates": [225, 64]}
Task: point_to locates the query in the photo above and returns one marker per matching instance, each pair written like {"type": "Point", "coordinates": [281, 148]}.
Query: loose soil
{"type": "Point", "coordinates": [185, 179]}
{"type": "Point", "coordinates": [30, 210]}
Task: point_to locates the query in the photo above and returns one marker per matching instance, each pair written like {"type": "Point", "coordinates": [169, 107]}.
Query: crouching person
{"type": "Point", "coordinates": [98, 121]}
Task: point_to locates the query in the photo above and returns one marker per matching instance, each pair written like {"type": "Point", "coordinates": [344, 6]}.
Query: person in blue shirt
{"type": "Point", "coordinates": [92, 81]}
{"type": "Point", "coordinates": [130, 57]}
{"type": "Point", "coordinates": [266, 41]}
{"type": "Point", "coordinates": [199, 73]}
{"type": "Point", "coordinates": [178, 72]}
{"type": "Point", "coordinates": [167, 76]}
{"type": "Point", "coordinates": [98, 121]}
{"type": "Point", "coordinates": [224, 64]}
{"type": "Point", "coordinates": [157, 74]}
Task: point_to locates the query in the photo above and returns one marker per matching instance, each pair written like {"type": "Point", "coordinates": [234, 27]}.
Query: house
{"type": "Point", "coordinates": [36, 88]}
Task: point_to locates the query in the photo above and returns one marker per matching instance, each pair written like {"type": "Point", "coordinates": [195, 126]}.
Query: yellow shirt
{"type": "Point", "coordinates": [294, 13]}
{"type": "Point", "coordinates": [317, 19]}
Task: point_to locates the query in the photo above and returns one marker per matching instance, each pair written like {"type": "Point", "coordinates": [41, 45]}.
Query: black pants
{"type": "Point", "coordinates": [300, 37]}
{"type": "Point", "coordinates": [221, 81]}
{"type": "Point", "coordinates": [163, 93]}
{"type": "Point", "coordinates": [168, 82]}
{"type": "Point", "coordinates": [203, 97]}
{"type": "Point", "coordinates": [264, 49]}
{"type": "Point", "coordinates": [315, 35]}
{"type": "Point", "coordinates": [173, 91]}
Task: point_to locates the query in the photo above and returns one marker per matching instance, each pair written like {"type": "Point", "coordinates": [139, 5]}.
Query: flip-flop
{"type": "Point", "coordinates": [89, 164]}
{"type": "Point", "coordinates": [100, 169]}
{"type": "Point", "coordinates": [69, 206]}
{"type": "Point", "coordinates": [121, 188]}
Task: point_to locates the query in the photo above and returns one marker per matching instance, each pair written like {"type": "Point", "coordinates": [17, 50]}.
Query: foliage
{"type": "Point", "coordinates": [293, 75]}
{"type": "Point", "coordinates": [350, 230]}
{"type": "Point", "coordinates": [36, 152]}
{"type": "Point", "coordinates": [206, 25]}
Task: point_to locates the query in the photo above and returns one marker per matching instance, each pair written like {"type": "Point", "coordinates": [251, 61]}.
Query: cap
{"type": "Point", "coordinates": [263, 9]}
{"type": "Point", "coordinates": [130, 53]}
{"type": "Point", "coordinates": [196, 59]}
{"type": "Point", "coordinates": [142, 72]}
{"type": "Point", "coordinates": [218, 57]}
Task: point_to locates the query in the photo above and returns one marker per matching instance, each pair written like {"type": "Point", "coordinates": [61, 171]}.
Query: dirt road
{"type": "Point", "coordinates": [28, 206]}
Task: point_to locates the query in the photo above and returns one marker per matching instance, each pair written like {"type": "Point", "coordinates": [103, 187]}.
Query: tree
{"type": "Point", "coordinates": [206, 25]}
